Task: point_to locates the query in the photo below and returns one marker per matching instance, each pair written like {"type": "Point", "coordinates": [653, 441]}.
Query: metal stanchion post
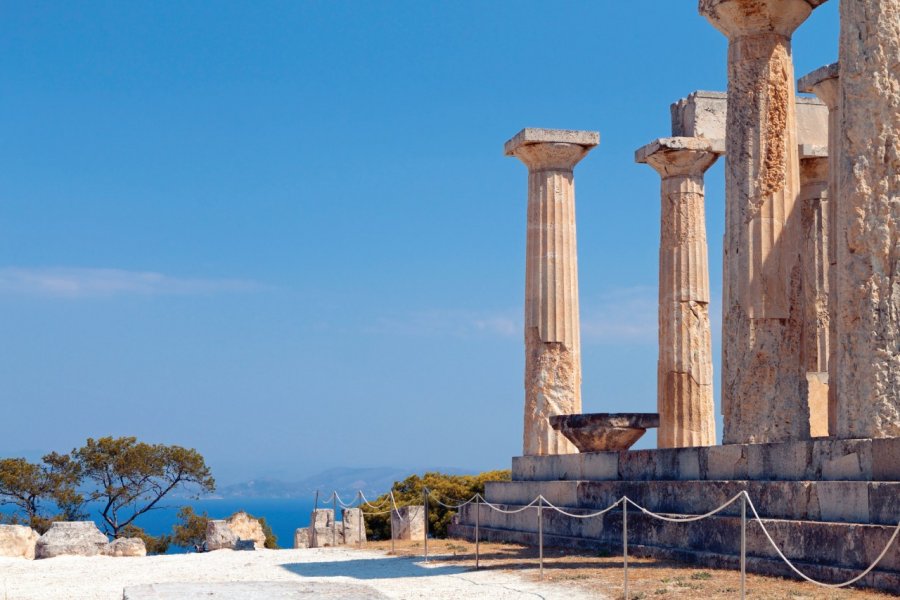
{"type": "Point", "coordinates": [425, 495]}
{"type": "Point", "coordinates": [477, 522]}
{"type": "Point", "coordinates": [334, 519]}
{"type": "Point", "coordinates": [541, 534]}
{"type": "Point", "coordinates": [743, 545]}
{"type": "Point", "coordinates": [316, 505]}
{"type": "Point", "coordinates": [359, 528]}
{"type": "Point", "coordinates": [625, 543]}
{"type": "Point", "coordinates": [392, 513]}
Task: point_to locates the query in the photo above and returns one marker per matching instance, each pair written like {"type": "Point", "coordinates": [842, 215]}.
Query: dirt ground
{"type": "Point", "coordinates": [648, 578]}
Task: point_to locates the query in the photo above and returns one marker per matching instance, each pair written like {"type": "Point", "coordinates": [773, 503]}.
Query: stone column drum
{"type": "Point", "coordinates": [867, 374]}
{"type": "Point", "coordinates": [824, 83]}
{"type": "Point", "coordinates": [814, 207]}
{"type": "Point", "coordinates": [764, 386]}
{"type": "Point", "coordinates": [552, 330]}
{"type": "Point", "coordinates": [684, 370]}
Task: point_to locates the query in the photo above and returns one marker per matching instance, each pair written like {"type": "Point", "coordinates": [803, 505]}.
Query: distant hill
{"type": "Point", "coordinates": [372, 481]}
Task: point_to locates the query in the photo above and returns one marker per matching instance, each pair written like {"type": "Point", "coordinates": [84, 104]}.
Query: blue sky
{"type": "Point", "coordinates": [285, 233]}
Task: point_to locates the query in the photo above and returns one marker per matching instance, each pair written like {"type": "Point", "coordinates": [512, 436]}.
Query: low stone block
{"type": "Point", "coordinates": [409, 524]}
{"type": "Point", "coordinates": [125, 547]}
{"type": "Point", "coordinates": [247, 528]}
{"type": "Point", "coordinates": [71, 538]}
{"type": "Point", "coordinates": [18, 541]}
{"type": "Point", "coordinates": [301, 538]}
{"type": "Point", "coordinates": [219, 535]}
{"type": "Point", "coordinates": [844, 501]}
{"type": "Point", "coordinates": [354, 526]}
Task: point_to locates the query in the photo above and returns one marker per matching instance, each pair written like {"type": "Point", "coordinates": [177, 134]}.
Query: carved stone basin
{"type": "Point", "coordinates": [604, 432]}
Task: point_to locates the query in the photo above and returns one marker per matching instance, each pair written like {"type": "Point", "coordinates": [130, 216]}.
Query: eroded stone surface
{"type": "Point", "coordinates": [409, 524]}
{"type": "Point", "coordinates": [602, 432]}
{"type": "Point", "coordinates": [71, 538]}
{"type": "Point", "coordinates": [764, 386]}
{"type": "Point", "coordinates": [219, 535]}
{"type": "Point", "coordinates": [867, 354]}
{"type": "Point", "coordinates": [125, 547]}
{"type": "Point", "coordinates": [18, 541]}
{"type": "Point", "coordinates": [247, 528]}
{"type": "Point", "coordinates": [684, 369]}
{"type": "Point", "coordinates": [552, 336]}
{"type": "Point", "coordinates": [301, 537]}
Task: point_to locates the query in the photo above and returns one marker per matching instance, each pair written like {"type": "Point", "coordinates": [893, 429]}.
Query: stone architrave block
{"type": "Point", "coordinates": [703, 114]}
{"type": "Point", "coordinates": [409, 524]}
{"type": "Point", "coordinates": [18, 541]}
{"type": "Point", "coordinates": [323, 531]}
{"type": "Point", "coordinates": [219, 535]}
{"type": "Point", "coordinates": [125, 547]}
{"type": "Point", "coordinates": [71, 538]}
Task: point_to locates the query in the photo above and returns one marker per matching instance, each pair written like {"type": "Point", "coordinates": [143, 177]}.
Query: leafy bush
{"type": "Point", "coordinates": [449, 489]}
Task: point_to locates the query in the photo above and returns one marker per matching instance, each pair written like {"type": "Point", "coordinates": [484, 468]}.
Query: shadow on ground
{"type": "Point", "coordinates": [372, 568]}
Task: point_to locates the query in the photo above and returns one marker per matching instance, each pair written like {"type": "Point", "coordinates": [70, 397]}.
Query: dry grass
{"type": "Point", "coordinates": [648, 578]}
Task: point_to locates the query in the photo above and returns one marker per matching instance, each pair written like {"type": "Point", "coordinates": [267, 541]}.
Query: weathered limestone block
{"type": "Point", "coordinates": [219, 535]}
{"type": "Point", "coordinates": [323, 531]}
{"type": "Point", "coordinates": [552, 330]}
{"type": "Point", "coordinates": [704, 114]}
{"type": "Point", "coordinates": [824, 83]}
{"type": "Point", "coordinates": [18, 541]}
{"type": "Point", "coordinates": [125, 547]}
{"type": "Point", "coordinates": [814, 212]}
{"type": "Point", "coordinates": [354, 525]}
{"type": "Point", "coordinates": [247, 528]}
{"type": "Point", "coordinates": [71, 538]}
{"type": "Point", "coordinates": [409, 524]}
{"type": "Point", "coordinates": [684, 369]}
{"type": "Point", "coordinates": [764, 386]}
{"type": "Point", "coordinates": [301, 538]}
{"type": "Point", "coordinates": [867, 356]}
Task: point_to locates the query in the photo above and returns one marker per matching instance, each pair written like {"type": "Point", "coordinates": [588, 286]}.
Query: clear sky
{"type": "Point", "coordinates": [285, 234]}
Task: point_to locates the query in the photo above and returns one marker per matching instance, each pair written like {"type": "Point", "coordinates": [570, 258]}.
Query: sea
{"type": "Point", "coordinates": [283, 515]}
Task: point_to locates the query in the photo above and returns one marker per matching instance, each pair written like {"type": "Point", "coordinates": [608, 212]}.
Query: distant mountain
{"type": "Point", "coordinates": [347, 481]}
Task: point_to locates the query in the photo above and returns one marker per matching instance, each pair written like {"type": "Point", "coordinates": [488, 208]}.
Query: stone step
{"type": "Point", "coordinates": [842, 549]}
{"type": "Point", "coordinates": [816, 460]}
{"type": "Point", "coordinates": [833, 501]}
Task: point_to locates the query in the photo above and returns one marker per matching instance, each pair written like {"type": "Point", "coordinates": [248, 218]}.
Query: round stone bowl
{"type": "Point", "coordinates": [604, 432]}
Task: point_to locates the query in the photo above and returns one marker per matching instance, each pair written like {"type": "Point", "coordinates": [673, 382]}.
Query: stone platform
{"type": "Point", "coordinates": [251, 590]}
{"type": "Point", "coordinates": [831, 505]}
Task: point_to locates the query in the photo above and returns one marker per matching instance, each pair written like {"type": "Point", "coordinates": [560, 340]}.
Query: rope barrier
{"type": "Point", "coordinates": [540, 502]}
{"type": "Point", "coordinates": [803, 575]}
{"type": "Point", "coordinates": [682, 518]}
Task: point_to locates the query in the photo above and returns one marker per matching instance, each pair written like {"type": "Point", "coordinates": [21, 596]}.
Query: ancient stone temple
{"type": "Point", "coordinates": [552, 330]}
{"type": "Point", "coordinates": [684, 369]}
{"type": "Point", "coordinates": [811, 321]}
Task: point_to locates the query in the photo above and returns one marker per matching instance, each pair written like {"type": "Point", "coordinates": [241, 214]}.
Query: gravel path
{"type": "Point", "coordinates": [104, 578]}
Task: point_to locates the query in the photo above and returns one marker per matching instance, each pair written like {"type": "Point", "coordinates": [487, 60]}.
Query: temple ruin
{"type": "Point", "coordinates": [810, 364]}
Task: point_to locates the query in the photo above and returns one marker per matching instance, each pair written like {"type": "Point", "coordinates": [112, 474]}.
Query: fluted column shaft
{"type": "Point", "coordinates": [764, 387]}
{"type": "Point", "coordinates": [867, 373]}
{"type": "Point", "coordinates": [684, 369]}
{"type": "Point", "coordinates": [552, 329]}
{"type": "Point", "coordinates": [824, 83]}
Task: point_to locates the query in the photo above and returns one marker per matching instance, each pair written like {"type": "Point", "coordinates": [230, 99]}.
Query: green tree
{"type": "Point", "coordinates": [449, 489]}
{"type": "Point", "coordinates": [190, 529]}
{"type": "Point", "coordinates": [131, 477]}
{"type": "Point", "coordinates": [37, 489]}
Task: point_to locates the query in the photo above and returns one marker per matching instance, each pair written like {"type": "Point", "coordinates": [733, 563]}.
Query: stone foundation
{"type": "Point", "coordinates": [831, 505]}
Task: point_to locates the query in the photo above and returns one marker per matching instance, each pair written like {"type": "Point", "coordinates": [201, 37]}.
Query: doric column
{"type": "Point", "coordinates": [867, 369]}
{"type": "Point", "coordinates": [763, 382]}
{"type": "Point", "coordinates": [824, 83]}
{"type": "Point", "coordinates": [814, 206]}
{"type": "Point", "coordinates": [684, 370]}
{"type": "Point", "coordinates": [552, 330]}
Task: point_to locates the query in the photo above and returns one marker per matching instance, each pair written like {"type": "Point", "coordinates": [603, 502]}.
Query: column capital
{"type": "Point", "coordinates": [737, 18]}
{"type": "Point", "coordinates": [675, 156]}
{"type": "Point", "coordinates": [824, 83]}
{"type": "Point", "coordinates": [554, 149]}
